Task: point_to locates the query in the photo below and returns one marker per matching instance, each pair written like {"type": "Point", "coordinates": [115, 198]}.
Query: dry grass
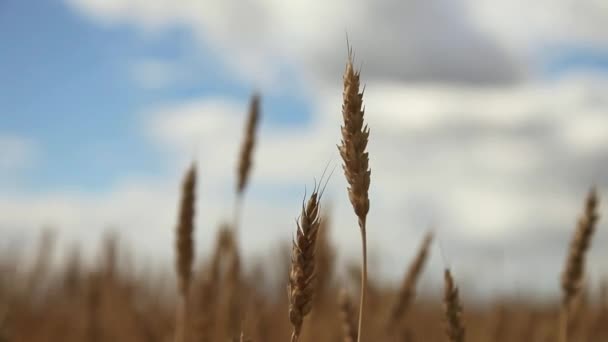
{"type": "Point", "coordinates": [140, 306]}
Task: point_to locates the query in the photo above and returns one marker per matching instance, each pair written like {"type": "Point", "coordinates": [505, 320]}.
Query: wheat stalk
{"type": "Point", "coordinates": [302, 271]}
{"type": "Point", "coordinates": [185, 249]}
{"type": "Point", "coordinates": [453, 310]}
{"type": "Point", "coordinates": [205, 321]}
{"type": "Point", "coordinates": [574, 269]}
{"type": "Point", "coordinates": [348, 317]}
{"type": "Point", "coordinates": [93, 294]}
{"type": "Point", "coordinates": [234, 290]}
{"type": "Point", "coordinates": [355, 135]}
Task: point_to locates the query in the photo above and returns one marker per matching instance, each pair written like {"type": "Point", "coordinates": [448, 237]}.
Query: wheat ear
{"type": "Point", "coordinates": [355, 135]}
{"type": "Point", "coordinates": [245, 155]}
{"type": "Point", "coordinates": [302, 272]}
{"type": "Point", "coordinates": [408, 287]}
{"type": "Point", "coordinates": [185, 249]}
{"type": "Point", "coordinates": [574, 269]}
{"type": "Point", "coordinates": [453, 310]}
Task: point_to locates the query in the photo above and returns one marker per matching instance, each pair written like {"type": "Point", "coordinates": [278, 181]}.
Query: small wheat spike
{"type": "Point", "coordinates": [302, 272]}
{"type": "Point", "coordinates": [185, 249]}
{"type": "Point", "coordinates": [245, 158]}
{"type": "Point", "coordinates": [248, 143]}
{"type": "Point", "coordinates": [408, 287]}
{"type": "Point", "coordinates": [185, 228]}
{"type": "Point", "coordinates": [355, 135]}
{"type": "Point", "coordinates": [575, 263]}
{"type": "Point", "coordinates": [574, 270]}
{"type": "Point", "coordinates": [453, 310]}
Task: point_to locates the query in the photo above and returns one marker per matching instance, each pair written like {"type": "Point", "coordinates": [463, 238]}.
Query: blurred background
{"type": "Point", "coordinates": [489, 123]}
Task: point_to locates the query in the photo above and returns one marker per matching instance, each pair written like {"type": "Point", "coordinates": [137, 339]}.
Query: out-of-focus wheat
{"type": "Point", "coordinates": [185, 250]}
{"type": "Point", "coordinates": [453, 310]}
{"type": "Point", "coordinates": [245, 161]}
{"type": "Point", "coordinates": [574, 268]}
{"type": "Point", "coordinates": [348, 317]}
{"type": "Point", "coordinates": [408, 286]}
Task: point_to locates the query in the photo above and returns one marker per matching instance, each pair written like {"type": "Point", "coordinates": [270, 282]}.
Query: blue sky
{"type": "Point", "coordinates": [69, 86]}
{"type": "Point", "coordinates": [104, 102]}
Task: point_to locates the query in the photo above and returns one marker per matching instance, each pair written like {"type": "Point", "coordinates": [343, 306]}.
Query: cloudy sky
{"type": "Point", "coordinates": [489, 121]}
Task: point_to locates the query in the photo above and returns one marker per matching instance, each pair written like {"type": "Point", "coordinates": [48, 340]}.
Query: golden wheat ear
{"type": "Point", "coordinates": [353, 150]}
{"type": "Point", "coordinates": [302, 272]}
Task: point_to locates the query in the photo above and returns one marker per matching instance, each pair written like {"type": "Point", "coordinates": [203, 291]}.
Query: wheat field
{"type": "Point", "coordinates": [218, 299]}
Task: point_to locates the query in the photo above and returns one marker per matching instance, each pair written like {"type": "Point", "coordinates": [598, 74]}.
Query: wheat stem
{"type": "Point", "coordinates": [363, 278]}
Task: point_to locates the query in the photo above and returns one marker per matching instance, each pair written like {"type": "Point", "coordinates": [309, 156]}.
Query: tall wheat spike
{"type": "Point", "coordinates": [453, 310]}
{"type": "Point", "coordinates": [355, 159]}
{"type": "Point", "coordinates": [185, 250]}
{"type": "Point", "coordinates": [302, 272]}
{"type": "Point", "coordinates": [574, 269]}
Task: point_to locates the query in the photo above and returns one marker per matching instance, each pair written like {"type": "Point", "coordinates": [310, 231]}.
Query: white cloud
{"type": "Point", "coordinates": [488, 41]}
{"type": "Point", "coordinates": [396, 39]}
{"type": "Point", "coordinates": [155, 74]}
{"type": "Point", "coordinates": [547, 21]}
{"type": "Point", "coordinates": [588, 132]}
{"type": "Point", "coordinates": [484, 158]}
